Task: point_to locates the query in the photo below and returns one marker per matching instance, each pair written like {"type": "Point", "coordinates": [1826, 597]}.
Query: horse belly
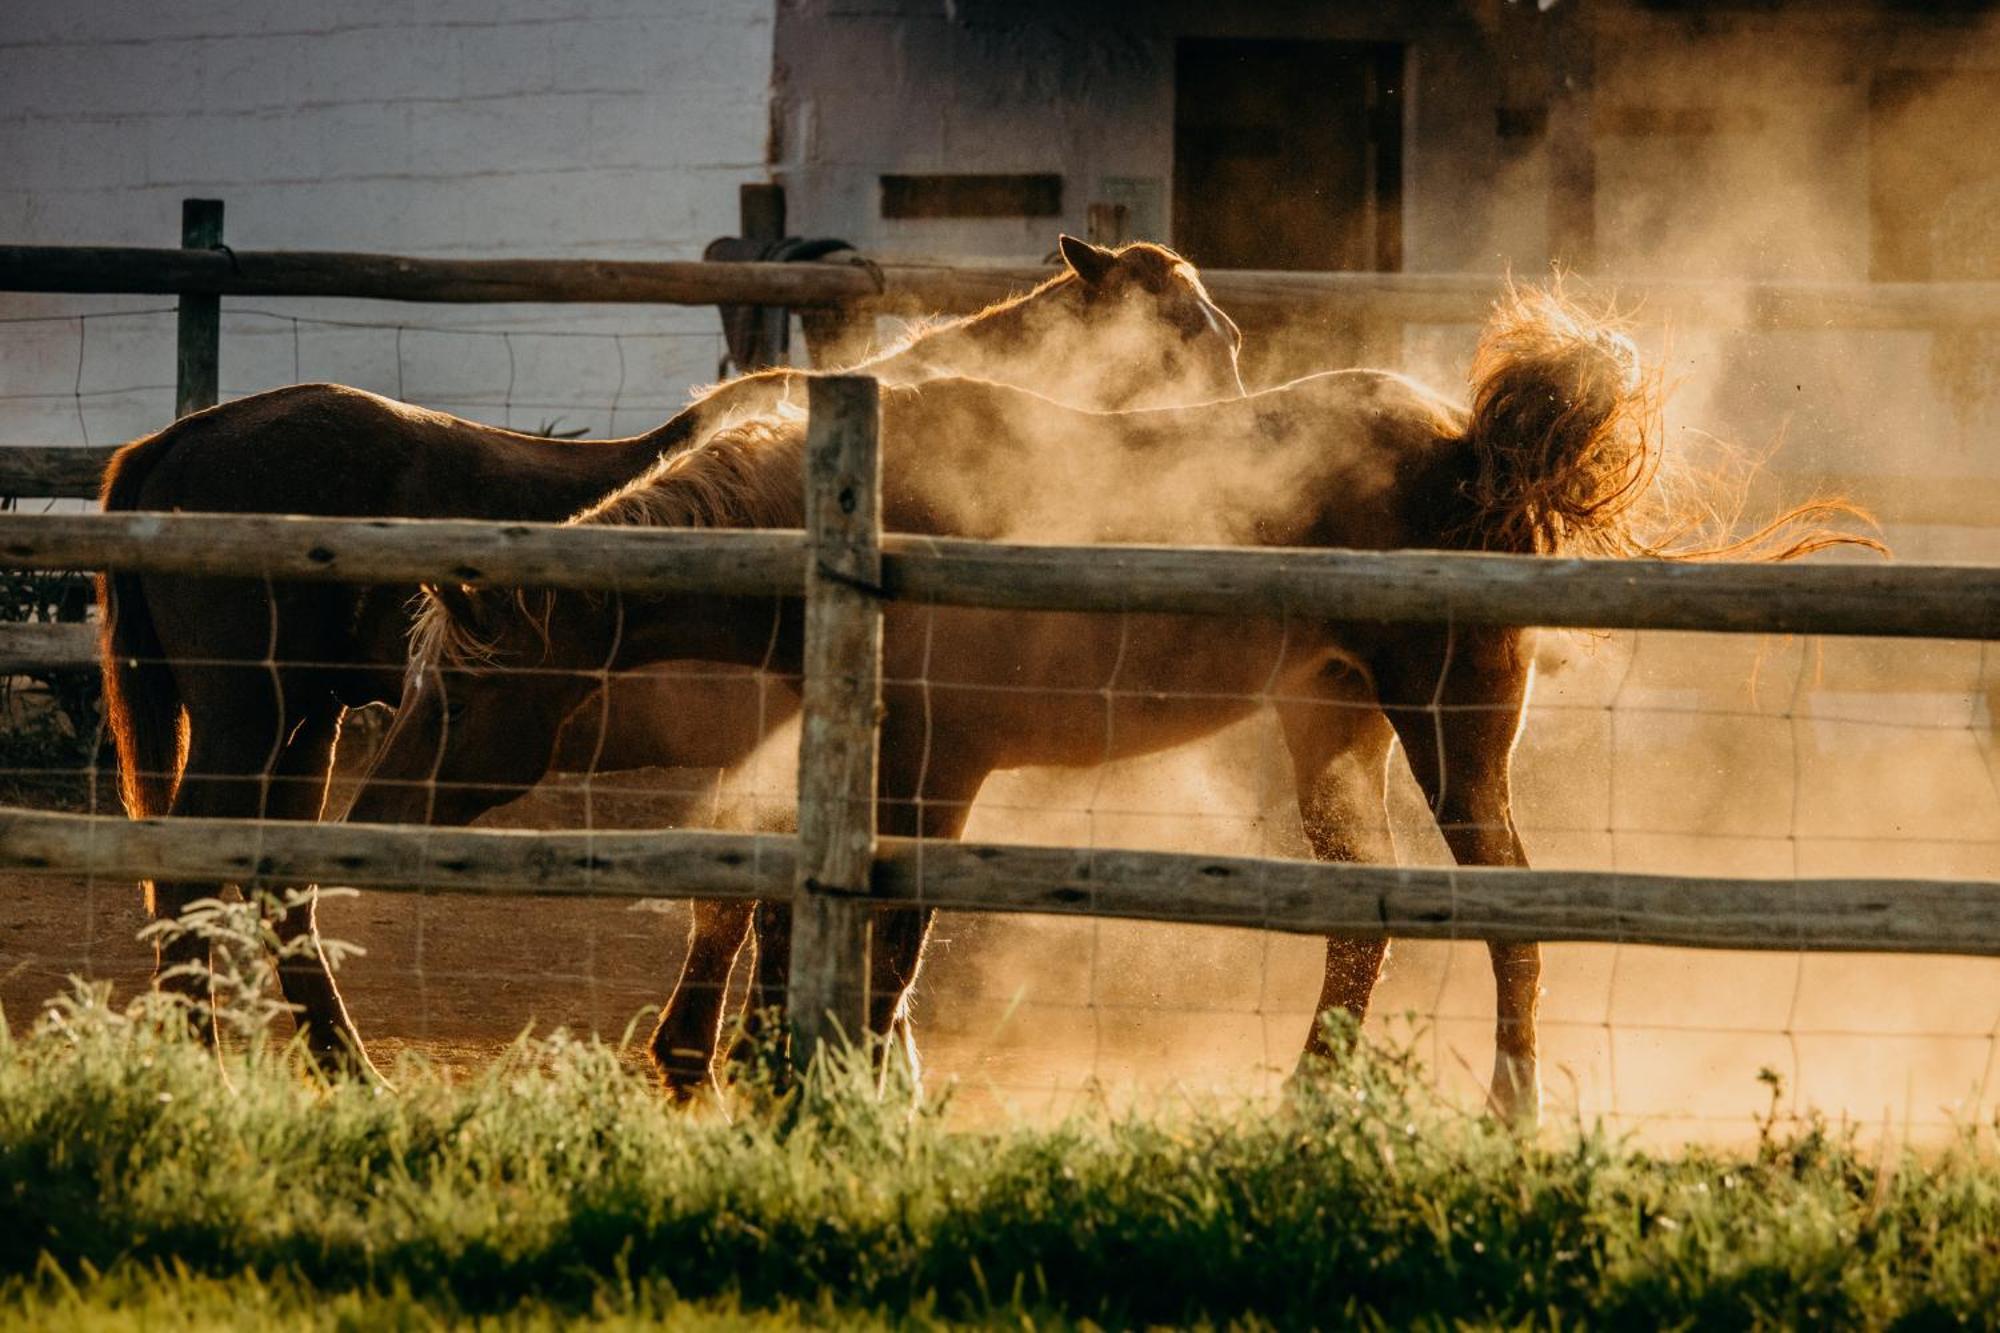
{"type": "Point", "coordinates": [1071, 689]}
{"type": "Point", "coordinates": [675, 715]}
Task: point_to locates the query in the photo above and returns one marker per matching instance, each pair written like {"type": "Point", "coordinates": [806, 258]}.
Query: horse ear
{"type": "Point", "coordinates": [460, 601]}
{"type": "Point", "coordinates": [1092, 263]}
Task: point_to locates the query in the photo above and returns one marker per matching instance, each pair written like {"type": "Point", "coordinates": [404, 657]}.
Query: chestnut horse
{"type": "Point", "coordinates": [225, 696]}
{"type": "Point", "coordinates": [1555, 454]}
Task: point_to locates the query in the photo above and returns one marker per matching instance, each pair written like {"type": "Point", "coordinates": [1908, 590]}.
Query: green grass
{"type": "Point", "coordinates": [138, 1188]}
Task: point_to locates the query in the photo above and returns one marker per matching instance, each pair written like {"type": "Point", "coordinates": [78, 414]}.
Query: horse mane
{"type": "Point", "coordinates": [744, 476]}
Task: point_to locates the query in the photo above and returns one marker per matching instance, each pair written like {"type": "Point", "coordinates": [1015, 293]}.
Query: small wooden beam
{"type": "Point", "coordinates": [397, 857]}
{"type": "Point", "coordinates": [1440, 903]}
{"type": "Point", "coordinates": [408, 550]}
{"type": "Point", "coordinates": [839, 738]}
{"type": "Point", "coordinates": [63, 472]}
{"type": "Point", "coordinates": [45, 646]}
{"type": "Point", "coordinates": [1450, 587]}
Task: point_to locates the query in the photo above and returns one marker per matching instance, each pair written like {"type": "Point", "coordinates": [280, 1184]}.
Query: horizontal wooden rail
{"type": "Point", "coordinates": [406, 550]}
{"type": "Point", "coordinates": [62, 472]}
{"type": "Point", "coordinates": [76, 472]}
{"type": "Point", "coordinates": [385, 856]}
{"type": "Point", "coordinates": [39, 646]}
{"type": "Point", "coordinates": [1405, 297]}
{"type": "Point", "coordinates": [1868, 598]}
{"type": "Point", "coordinates": [151, 271]}
{"type": "Point", "coordinates": [1871, 598]}
{"type": "Point", "coordinates": [1305, 897]}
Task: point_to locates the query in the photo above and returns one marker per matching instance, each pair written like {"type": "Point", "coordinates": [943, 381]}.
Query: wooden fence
{"type": "Point", "coordinates": [835, 872]}
{"type": "Point", "coordinates": [836, 869]}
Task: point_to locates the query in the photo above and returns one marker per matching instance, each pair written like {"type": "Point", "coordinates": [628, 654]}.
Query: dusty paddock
{"type": "Point", "coordinates": [1660, 761]}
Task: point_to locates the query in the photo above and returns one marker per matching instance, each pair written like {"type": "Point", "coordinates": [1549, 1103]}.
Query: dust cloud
{"type": "Point", "coordinates": [1729, 151]}
{"type": "Point", "coordinates": [1653, 752]}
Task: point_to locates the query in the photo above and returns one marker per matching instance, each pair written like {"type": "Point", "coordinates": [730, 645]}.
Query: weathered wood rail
{"type": "Point", "coordinates": [58, 472]}
{"type": "Point", "coordinates": [1415, 298]}
{"type": "Point", "coordinates": [1866, 598]}
{"type": "Point", "coordinates": [45, 646]}
{"type": "Point", "coordinates": [1301, 897]}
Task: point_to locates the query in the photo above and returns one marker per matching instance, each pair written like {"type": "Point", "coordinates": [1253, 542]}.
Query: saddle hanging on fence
{"type": "Point", "coordinates": [758, 336]}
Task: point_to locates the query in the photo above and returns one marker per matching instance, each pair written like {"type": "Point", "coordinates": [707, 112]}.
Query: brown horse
{"type": "Point", "coordinates": [1555, 455]}
{"type": "Point", "coordinates": [225, 695]}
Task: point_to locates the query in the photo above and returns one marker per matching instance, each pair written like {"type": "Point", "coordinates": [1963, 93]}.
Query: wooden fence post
{"type": "Point", "coordinates": [200, 323]}
{"type": "Point", "coordinates": [838, 743]}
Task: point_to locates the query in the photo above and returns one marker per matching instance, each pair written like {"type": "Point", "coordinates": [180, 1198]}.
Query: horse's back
{"type": "Point", "coordinates": [328, 449]}
{"type": "Point", "coordinates": [305, 448]}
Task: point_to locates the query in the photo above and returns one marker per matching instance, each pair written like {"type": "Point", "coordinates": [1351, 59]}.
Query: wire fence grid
{"type": "Point", "coordinates": [1642, 752]}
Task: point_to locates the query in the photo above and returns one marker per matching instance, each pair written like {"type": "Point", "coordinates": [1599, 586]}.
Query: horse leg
{"type": "Point", "coordinates": [297, 791]}
{"type": "Point", "coordinates": [1456, 700]}
{"type": "Point", "coordinates": [896, 934]}
{"type": "Point", "coordinates": [684, 1042]}
{"type": "Point", "coordinates": [950, 782]}
{"type": "Point", "coordinates": [1339, 746]}
{"type": "Point", "coordinates": [223, 776]}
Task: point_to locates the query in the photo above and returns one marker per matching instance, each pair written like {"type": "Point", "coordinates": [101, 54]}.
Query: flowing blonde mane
{"type": "Point", "coordinates": [745, 476]}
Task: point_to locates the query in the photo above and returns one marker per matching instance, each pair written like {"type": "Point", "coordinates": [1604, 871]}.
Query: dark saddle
{"type": "Point", "coordinates": [757, 336]}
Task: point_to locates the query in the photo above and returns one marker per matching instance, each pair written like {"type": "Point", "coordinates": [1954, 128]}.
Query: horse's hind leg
{"type": "Point", "coordinates": [298, 792]}
{"type": "Point", "coordinates": [683, 1044]}
{"type": "Point", "coordinates": [1456, 700]}
{"type": "Point", "coordinates": [248, 760]}
{"type": "Point", "coordinates": [1339, 745]}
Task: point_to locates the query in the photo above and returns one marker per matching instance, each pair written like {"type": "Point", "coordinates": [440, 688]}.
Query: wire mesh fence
{"type": "Point", "coordinates": [1641, 752]}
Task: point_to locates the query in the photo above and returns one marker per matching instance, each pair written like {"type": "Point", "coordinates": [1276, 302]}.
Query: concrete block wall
{"type": "Point", "coordinates": [563, 127]}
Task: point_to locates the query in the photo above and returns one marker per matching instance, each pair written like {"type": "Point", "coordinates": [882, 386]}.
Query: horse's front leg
{"type": "Point", "coordinates": [1339, 745]}
{"type": "Point", "coordinates": [1456, 700]}
{"type": "Point", "coordinates": [683, 1043]}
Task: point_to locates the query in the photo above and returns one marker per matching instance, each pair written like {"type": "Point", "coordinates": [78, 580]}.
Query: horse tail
{"type": "Point", "coordinates": [1565, 453]}
{"type": "Point", "coordinates": [142, 707]}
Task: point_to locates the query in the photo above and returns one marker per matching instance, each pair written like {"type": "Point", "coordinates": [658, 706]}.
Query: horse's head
{"type": "Point", "coordinates": [484, 697]}
{"type": "Point", "coordinates": [1120, 330]}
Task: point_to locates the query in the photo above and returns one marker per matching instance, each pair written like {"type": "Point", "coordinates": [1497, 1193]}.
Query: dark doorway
{"type": "Point", "coordinates": [1289, 155]}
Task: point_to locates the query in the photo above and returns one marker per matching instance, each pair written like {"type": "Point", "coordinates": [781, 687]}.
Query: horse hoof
{"type": "Point", "coordinates": [1517, 1092]}
{"type": "Point", "coordinates": [340, 1059]}
{"type": "Point", "coordinates": [683, 1075]}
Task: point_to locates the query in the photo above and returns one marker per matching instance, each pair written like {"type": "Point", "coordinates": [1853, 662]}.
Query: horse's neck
{"type": "Point", "coordinates": [729, 631]}
{"type": "Point", "coordinates": [961, 347]}
{"type": "Point", "coordinates": [581, 471]}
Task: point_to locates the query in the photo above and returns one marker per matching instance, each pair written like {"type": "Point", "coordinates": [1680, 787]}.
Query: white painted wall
{"type": "Point", "coordinates": [559, 127]}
